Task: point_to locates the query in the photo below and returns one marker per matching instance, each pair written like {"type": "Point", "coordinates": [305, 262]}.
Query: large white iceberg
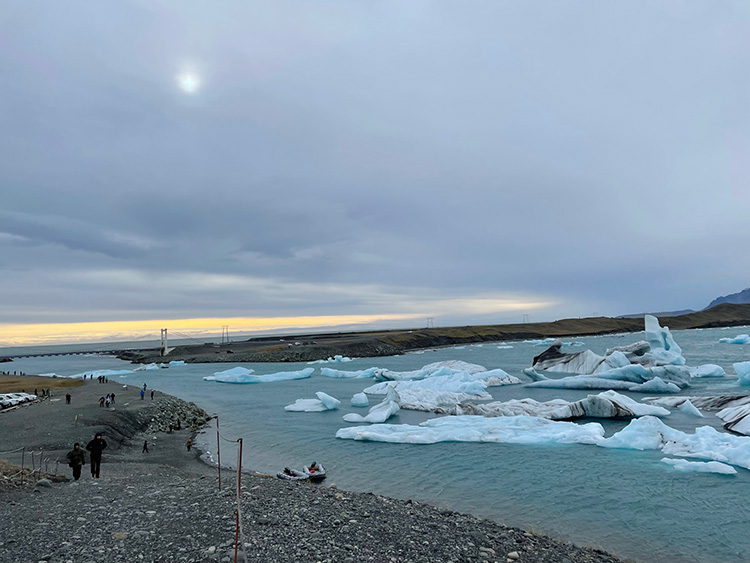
{"type": "Point", "coordinates": [454, 383]}
{"type": "Point", "coordinates": [380, 412]}
{"type": "Point", "coordinates": [659, 349]}
{"type": "Point", "coordinates": [434, 369]}
{"type": "Point", "coordinates": [237, 375]}
{"type": "Point", "coordinates": [324, 402]}
{"type": "Point", "coordinates": [608, 404]}
{"type": "Point", "coordinates": [511, 430]}
{"type": "Point", "coordinates": [650, 433]}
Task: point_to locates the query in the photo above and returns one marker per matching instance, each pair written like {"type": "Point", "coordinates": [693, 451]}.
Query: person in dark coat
{"type": "Point", "coordinates": [76, 459]}
{"type": "Point", "coordinates": [96, 446]}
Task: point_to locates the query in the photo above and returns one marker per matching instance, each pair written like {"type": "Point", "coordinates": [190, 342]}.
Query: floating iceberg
{"type": "Point", "coordinates": [739, 339]}
{"type": "Point", "coordinates": [736, 419]}
{"type": "Point", "coordinates": [742, 369]}
{"type": "Point", "coordinates": [360, 400]}
{"type": "Point", "coordinates": [429, 400]}
{"type": "Point", "coordinates": [380, 412]}
{"type": "Point", "coordinates": [147, 367]}
{"type": "Point", "coordinates": [700, 466]}
{"type": "Point", "coordinates": [177, 363]}
{"type": "Point", "coordinates": [454, 383]}
{"type": "Point", "coordinates": [664, 350]}
{"type": "Point", "coordinates": [243, 375]}
{"type": "Point", "coordinates": [689, 408]}
{"type": "Point", "coordinates": [707, 370]}
{"type": "Point", "coordinates": [495, 378]}
{"type": "Point", "coordinates": [656, 385]}
{"type": "Point", "coordinates": [608, 404]}
{"type": "Point", "coordinates": [583, 382]}
{"type": "Point", "coordinates": [324, 402]}
{"type": "Point", "coordinates": [650, 433]}
{"type": "Point", "coordinates": [339, 374]}
{"type": "Point", "coordinates": [510, 430]}
{"type": "Point", "coordinates": [435, 369]}
{"type": "Point", "coordinates": [659, 349]}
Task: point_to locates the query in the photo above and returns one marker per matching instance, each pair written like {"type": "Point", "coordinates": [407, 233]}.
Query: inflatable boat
{"type": "Point", "coordinates": [315, 472]}
{"type": "Point", "coordinates": [293, 475]}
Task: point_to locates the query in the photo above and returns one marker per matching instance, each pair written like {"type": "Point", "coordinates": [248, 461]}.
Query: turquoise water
{"type": "Point", "coordinates": [624, 501]}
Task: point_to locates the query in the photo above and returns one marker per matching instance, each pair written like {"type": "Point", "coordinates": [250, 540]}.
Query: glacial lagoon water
{"type": "Point", "coordinates": [623, 501]}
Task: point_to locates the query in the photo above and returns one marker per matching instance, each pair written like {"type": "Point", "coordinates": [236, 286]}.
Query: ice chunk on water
{"type": "Point", "coordinates": [339, 374]}
{"type": "Point", "coordinates": [707, 370]}
{"type": "Point", "coordinates": [455, 383]}
{"type": "Point", "coordinates": [739, 339]}
{"type": "Point", "coordinates": [656, 385]}
{"type": "Point", "coordinates": [360, 400]}
{"type": "Point", "coordinates": [244, 375]}
{"type": "Point", "coordinates": [512, 430]}
{"type": "Point", "coordinates": [650, 433]}
{"type": "Point", "coordinates": [664, 350]}
{"type": "Point", "coordinates": [324, 402]}
{"type": "Point", "coordinates": [380, 412]}
{"type": "Point", "coordinates": [688, 408]}
{"type": "Point", "coordinates": [742, 369]}
{"type": "Point", "coordinates": [234, 371]}
{"type": "Point", "coordinates": [583, 382]}
{"type": "Point", "coordinates": [700, 466]}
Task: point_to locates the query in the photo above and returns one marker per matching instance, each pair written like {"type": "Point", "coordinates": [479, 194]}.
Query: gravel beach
{"type": "Point", "coordinates": [165, 505]}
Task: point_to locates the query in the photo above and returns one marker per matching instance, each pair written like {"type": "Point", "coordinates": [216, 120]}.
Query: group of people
{"type": "Point", "coordinates": [107, 401]}
{"type": "Point", "coordinates": [77, 456]}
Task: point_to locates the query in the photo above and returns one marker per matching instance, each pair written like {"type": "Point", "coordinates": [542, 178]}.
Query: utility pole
{"type": "Point", "coordinates": [525, 318]}
{"type": "Point", "coordinates": [430, 322]}
{"type": "Point", "coordinates": [225, 334]}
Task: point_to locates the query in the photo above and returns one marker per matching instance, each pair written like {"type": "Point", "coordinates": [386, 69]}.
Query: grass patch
{"type": "Point", "coordinates": [18, 383]}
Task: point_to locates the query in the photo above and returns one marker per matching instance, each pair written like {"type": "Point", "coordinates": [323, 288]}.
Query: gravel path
{"type": "Point", "coordinates": [164, 506]}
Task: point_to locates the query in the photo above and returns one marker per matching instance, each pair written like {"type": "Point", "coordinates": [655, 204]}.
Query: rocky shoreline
{"type": "Point", "coordinates": [165, 506]}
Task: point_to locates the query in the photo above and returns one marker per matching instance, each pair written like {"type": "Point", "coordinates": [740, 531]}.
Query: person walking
{"type": "Point", "coordinates": [143, 394]}
{"type": "Point", "coordinates": [101, 401]}
{"type": "Point", "coordinates": [76, 459]}
{"type": "Point", "coordinates": [188, 444]}
{"type": "Point", "coordinates": [112, 397]}
{"type": "Point", "coordinates": [152, 394]}
{"type": "Point", "coordinates": [67, 398]}
{"type": "Point", "coordinates": [96, 446]}
{"type": "Point", "coordinates": [145, 447]}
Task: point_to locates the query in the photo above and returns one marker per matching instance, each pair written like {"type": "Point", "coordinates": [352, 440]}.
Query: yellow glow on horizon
{"type": "Point", "coordinates": [41, 334]}
{"type": "Point", "coordinates": [70, 333]}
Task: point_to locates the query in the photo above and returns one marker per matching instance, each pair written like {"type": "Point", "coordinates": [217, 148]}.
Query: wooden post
{"type": "Point", "coordinates": [218, 448]}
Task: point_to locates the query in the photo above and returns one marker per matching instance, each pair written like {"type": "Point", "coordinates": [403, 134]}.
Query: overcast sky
{"type": "Point", "coordinates": [472, 162]}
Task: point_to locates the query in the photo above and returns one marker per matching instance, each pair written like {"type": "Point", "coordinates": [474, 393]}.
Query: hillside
{"type": "Point", "coordinates": [736, 298]}
{"type": "Point", "coordinates": [313, 346]}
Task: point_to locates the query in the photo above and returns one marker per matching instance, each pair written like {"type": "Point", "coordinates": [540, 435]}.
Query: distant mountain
{"type": "Point", "coordinates": [657, 315]}
{"type": "Point", "coordinates": [736, 298]}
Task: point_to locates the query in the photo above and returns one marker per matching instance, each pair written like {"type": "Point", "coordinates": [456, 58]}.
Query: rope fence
{"type": "Point", "coordinates": [39, 463]}
{"type": "Point", "coordinates": [239, 538]}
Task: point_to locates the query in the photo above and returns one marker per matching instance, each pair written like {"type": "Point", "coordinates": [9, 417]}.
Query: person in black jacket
{"type": "Point", "coordinates": [76, 459]}
{"type": "Point", "coordinates": [96, 446]}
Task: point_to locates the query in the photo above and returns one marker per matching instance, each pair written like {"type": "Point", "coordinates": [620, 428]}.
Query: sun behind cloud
{"type": "Point", "coordinates": [189, 82]}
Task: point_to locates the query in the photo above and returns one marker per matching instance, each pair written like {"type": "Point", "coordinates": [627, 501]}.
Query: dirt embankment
{"type": "Point", "coordinates": [310, 347]}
